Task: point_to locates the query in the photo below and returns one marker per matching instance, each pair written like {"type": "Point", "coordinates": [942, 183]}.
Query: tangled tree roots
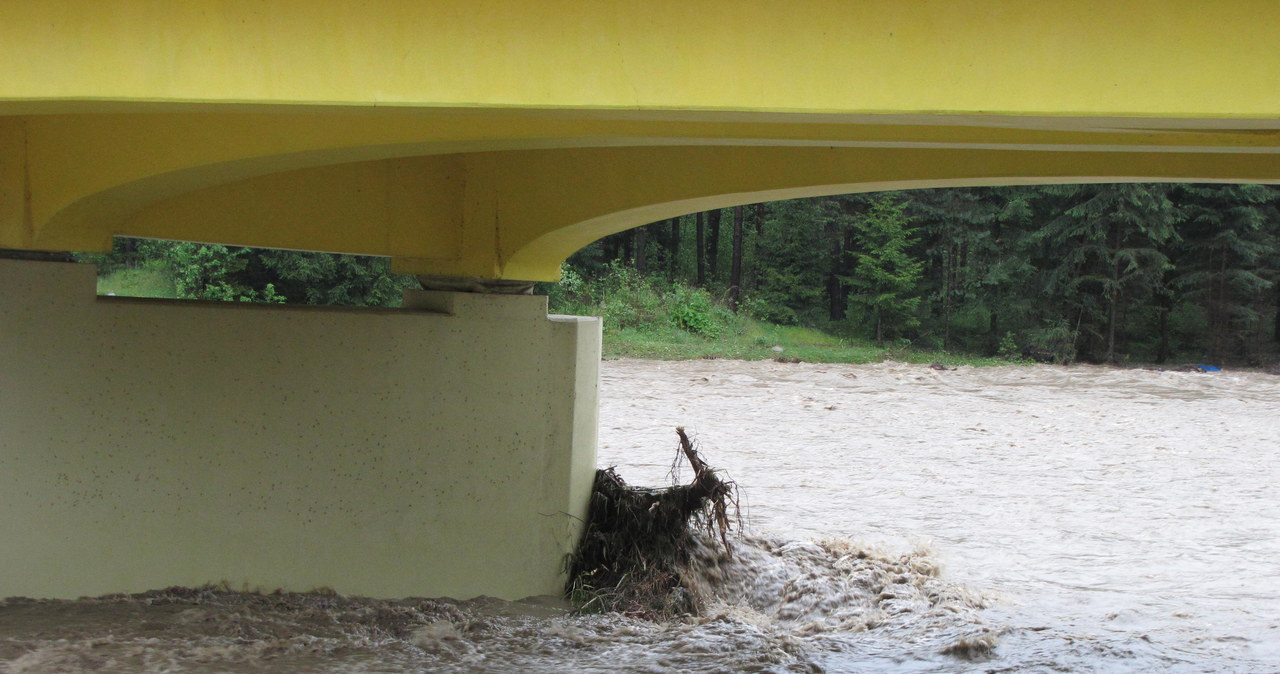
{"type": "Point", "coordinates": [634, 552]}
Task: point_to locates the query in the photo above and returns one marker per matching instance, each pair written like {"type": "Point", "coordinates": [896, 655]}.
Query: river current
{"type": "Point", "coordinates": [900, 519]}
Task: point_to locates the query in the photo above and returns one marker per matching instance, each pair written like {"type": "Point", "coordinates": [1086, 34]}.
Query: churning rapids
{"type": "Point", "coordinates": [903, 519]}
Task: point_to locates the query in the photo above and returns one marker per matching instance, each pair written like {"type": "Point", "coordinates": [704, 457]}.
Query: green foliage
{"type": "Point", "coordinates": [1067, 272]}
{"type": "Point", "coordinates": [756, 307]}
{"type": "Point", "coordinates": [1059, 273]}
{"type": "Point", "coordinates": [1112, 242]}
{"type": "Point", "coordinates": [1009, 347]}
{"type": "Point", "coordinates": [234, 274]}
{"type": "Point", "coordinates": [566, 295]}
{"type": "Point", "coordinates": [1226, 265]}
{"type": "Point", "coordinates": [644, 317]}
{"type": "Point", "coordinates": [978, 264]}
{"type": "Point", "coordinates": [323, 278]}
{"type": "Point", "coordinates": [128, 282]}
{"type": "Point", "coordinates": [203, 272]}
{"type": "Point", "coordinates": [885, 274]}
{"type": "Point", "coordinates": [627, 300]}
{"type": "Point", "coordinates": [1053, 343]}
{"type": "Point", "coordinates": [691, 310]}
{"type": "Point", "coordinates": [798, 240]}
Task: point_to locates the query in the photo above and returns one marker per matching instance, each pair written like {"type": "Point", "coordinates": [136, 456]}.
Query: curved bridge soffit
{"type": "Point", "coordinates": [519, 213]}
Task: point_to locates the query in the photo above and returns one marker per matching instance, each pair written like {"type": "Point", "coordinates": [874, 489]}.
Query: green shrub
{"type": "Point", "coordinates": [692, 310]}
{"type": "Point", "coordinates": [236, 274]}
{"type": "Point", "coordinates": [769, 310]}
{"type": "Point", "coordinates": [1056, 343]}
{"type": "Point", "coordinates": [566, 295]}
{"type": "Point", "coordinates": [628, 300]}
{"type": "Point", "coordinates": [1009, 347]}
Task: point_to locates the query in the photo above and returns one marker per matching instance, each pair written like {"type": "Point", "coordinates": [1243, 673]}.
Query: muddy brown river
{"type": "Point", "coordinates": [901, 519]}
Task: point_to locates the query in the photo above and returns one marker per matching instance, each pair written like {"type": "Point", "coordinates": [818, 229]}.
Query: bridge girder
{"type": "Point", "coordinates": [493, 139]}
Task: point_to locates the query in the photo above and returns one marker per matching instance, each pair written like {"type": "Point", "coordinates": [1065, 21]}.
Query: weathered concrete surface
{"type": "Point", "coordinates": [387, 453]}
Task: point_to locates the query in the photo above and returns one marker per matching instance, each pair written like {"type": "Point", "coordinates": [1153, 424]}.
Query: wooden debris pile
{"type": "Point", "coordinates": [636, 546]}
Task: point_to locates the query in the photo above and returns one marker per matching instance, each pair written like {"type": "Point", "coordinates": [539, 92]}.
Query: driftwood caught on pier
{"type": "Point", "coordinates": [633, 554]}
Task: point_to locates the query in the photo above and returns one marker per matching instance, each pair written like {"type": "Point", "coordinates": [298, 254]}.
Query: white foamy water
{"type": "Point", "coordinates": [904, 519]}
{"type": "Point", "coordinates": [1116, 519]}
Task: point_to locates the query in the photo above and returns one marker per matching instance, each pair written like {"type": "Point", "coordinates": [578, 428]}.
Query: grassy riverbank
{"type": "Point", "coordinates": [636, 327]}
{"type": "Point", "coordinates": [648, 319]}
{"type": "Point", "coordinates": [137, 283]}
{"type": "Point", "coordinates": [757, 340]}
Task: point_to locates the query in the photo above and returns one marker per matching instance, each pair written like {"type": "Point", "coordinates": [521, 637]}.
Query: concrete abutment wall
{"type": "Point", "coordinates": [443, 449]}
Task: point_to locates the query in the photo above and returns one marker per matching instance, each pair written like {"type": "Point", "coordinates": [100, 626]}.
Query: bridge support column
{"type": "Point", "coordinates": [443, 449]}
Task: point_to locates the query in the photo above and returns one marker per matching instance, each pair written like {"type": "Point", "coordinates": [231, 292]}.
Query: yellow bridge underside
{"type": "Point", "coordinates": [494, 138]}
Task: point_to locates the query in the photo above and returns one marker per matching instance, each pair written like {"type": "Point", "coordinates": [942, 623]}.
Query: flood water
{"type": "Point", "coordinates": [1111, 519]}
{"type": "Point", "coordinates": [901, 519]}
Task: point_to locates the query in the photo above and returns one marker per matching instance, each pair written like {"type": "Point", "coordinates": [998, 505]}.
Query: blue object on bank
{"type": "Point", "coordinates": [1208, 368]}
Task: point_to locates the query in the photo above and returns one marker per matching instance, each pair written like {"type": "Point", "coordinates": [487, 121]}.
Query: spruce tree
{"type": "Point", "coordinates": [1223, 267]}
{"type": "Point", "coordinates": [884, 282]}
{"type": "Point", "coordinates": [1112, 251]}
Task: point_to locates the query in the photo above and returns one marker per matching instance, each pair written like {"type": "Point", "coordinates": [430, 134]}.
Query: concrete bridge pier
{"type": "Point", "coordinates": [442, 449]}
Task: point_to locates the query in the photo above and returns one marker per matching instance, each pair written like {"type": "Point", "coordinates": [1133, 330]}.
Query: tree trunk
{"type": "Point", "coordinates": [674, 256]}
{"type": "Point", "coordinates": [735, 272]}
{"type": "Point", "coordinates": [1111, 330]}
{"type": "Point", "coordinates": [713, 243]}
{"type": "Point", "coordinates": [948, 290]}
{"type": "Point", "coordinates": [993, 334]}
{"type": "Point", "coordinates": [700, 253]}
{"type": "Point", "coordinates": [609, 246]}
{"type": "Point", "coordinates": [642, 236]}
{"type": "Point", "coordinates": [1275, 328]}
{"type": "Point", "coordinates": [842, 242]}
{"type": "Point", "coordinates": [755, 253]}
{"type": "Point", "coordinates": [835, 299]}
{"type": "Point", "coordinates": [1114, 300]}
{"type": "Point", "coordinates": [993, 338]}
{"type": "Point", "coordinates": [1163, 354]}
{"type": "Point", "coordinates": [1222, 330]}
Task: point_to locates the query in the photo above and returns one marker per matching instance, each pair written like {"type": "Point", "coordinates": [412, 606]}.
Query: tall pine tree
{"type": "Point", "coordinates": [885, 277]}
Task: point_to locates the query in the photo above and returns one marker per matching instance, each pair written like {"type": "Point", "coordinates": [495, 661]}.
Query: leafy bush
{"type": "Point", "coordinates": [1009, 347]}
{"type": "Point", "coordinates": [203, 272]}
{"type": "Point", "coordinates": [568, 295]}
{"type": "Point", "coordinates": [626, 299]}
{"type": "Point", "coordinates": [1055, 343]}
{"type": "Point", "coordinates": [691, 310]}
{"type": "Point", "coordinates": [769, 309]}
{"type": "Point", "coordinates": [235, 274]}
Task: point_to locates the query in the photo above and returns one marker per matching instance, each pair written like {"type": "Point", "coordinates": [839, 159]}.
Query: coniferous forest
{"type": "Point", "coordinates": [1107, 273]}
{"type": "Point", "coordinates": [1057, 273]}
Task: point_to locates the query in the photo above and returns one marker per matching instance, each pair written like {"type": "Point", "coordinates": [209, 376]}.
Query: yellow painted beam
{"type": "Point", "coordinates": [616, 189]}
{"type": "Point", "coordinates": [84, 176]}
{"type": "Point", "coordinates": [494, 138]}
{"type": "Point", "coordinates": [518, 214]}
{"type": "Point", "coordinates": [409, 207]}
{"type": "Point", "coordinates": [1180, 58]}
{"type": "Point", "coordinates": [15, 218]}
{"type": "Point", "coordinates": [116, 164]}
